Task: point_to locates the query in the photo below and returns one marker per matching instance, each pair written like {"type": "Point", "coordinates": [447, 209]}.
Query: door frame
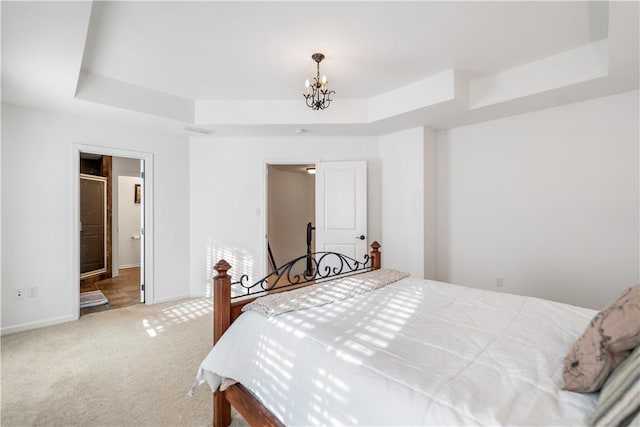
{"type": "Point", "coordinates": [75, 218]}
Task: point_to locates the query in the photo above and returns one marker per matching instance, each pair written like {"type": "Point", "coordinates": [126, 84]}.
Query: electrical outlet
{"type": "Point", "coordinates": [18, 293]}
{"type": "Point", "coordinates": [499, 282]}
{"type": "Point", "coordinates": [32, 291]}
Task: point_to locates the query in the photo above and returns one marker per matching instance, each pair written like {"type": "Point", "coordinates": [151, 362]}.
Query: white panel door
{"type": "Point", "coordinates": [341, 208]}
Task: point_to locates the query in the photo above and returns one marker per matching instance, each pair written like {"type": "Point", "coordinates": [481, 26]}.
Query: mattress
{"type": "Point", "coordinates": [415, 352]}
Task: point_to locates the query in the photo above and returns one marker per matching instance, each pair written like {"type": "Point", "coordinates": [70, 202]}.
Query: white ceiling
{"type": "Point", "coordinates": [241, 50]}
{"type": "Point", "coordinates": [239, 67]}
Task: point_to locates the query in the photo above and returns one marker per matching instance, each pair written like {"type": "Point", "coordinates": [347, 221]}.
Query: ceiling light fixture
{"type": "Point", "coordinates": [311, 170]}
{"type": "Point", "coordinates": [316, 94]}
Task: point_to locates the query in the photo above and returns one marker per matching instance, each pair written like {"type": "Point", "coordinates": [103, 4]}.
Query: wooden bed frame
{"type": "Point", "coordinates": [224, 313]}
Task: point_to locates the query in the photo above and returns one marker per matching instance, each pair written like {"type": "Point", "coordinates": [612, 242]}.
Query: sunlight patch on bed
{"type": "Point", "coordinates": [295, 331]}
{"type": "Point", "coordinates": [330, 378]}
{"type": "Point", "coordinates": [370, 338]}
{"type": "Point", "coordinates": [325, 410]}
{"type": "Point", "coordinates": [277, 363]}
{"type": "Point", "coordinates": [376, 330]}
{"type": "Point", "coordinates": [382, 325]}
{"type": "Point", "coordinates": [271, 359]}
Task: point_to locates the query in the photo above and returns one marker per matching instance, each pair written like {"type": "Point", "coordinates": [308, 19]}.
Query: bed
{"type": "Point", "coordinates": [411, 352]}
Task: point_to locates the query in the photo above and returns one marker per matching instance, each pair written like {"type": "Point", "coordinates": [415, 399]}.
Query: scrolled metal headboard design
{"type": "Point", "coordinates": [324, 265]}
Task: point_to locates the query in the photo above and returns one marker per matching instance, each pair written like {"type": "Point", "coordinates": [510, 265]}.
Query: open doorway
{"type": "Point", "coordinates": [290, 213]}
{"type": "Point", "coordinates": [332, 196]}
{"type": "Point", "coordinates": [111, 232]}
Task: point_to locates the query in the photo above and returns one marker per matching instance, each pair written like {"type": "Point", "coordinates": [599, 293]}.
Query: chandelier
{"type": "Point", "coordinates": [316, 94]}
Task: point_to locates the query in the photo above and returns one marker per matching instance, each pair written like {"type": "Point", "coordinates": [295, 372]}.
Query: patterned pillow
{"type": "Point", "coordinates": [605, 344]}
{"type": "Point", "coordinates": [619, 402]}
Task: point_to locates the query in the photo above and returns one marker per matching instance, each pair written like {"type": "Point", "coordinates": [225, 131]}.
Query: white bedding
{"type": "Point", "coordinates": [416, 352]}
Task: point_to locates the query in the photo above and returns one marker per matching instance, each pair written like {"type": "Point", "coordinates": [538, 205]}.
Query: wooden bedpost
{"type": "Point", "coordinates": [221, 299]}
{"type": "Point", "coordinates": [221, 322]}
{"type": "Point", "coordinates": [375, 255]}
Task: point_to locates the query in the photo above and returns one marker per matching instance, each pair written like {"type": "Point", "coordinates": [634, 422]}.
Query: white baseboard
{"type": "Point", "coordinates": [171, 298]}
{"type": "Point", "coordinates": [122, 266]}
{"type": "Point", "coordinates": [34, 325]}
{"type": "Point", "coordinates": [199, 294]}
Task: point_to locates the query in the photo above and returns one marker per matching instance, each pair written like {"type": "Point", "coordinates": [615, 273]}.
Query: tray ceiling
{"type": "Point", "coordinates": [239, 67]}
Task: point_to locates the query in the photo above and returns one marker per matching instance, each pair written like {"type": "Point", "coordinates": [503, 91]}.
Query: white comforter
{"type": "Point", "coordinates": [416, 352]}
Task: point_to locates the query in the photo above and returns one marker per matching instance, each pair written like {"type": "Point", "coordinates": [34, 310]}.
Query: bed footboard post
{"type": "Point", "coordinates": [221, 300]}
{"type": "Point", "coordinates": [221, 322]}
{"type": "Point", "coordinates": [375, 255]}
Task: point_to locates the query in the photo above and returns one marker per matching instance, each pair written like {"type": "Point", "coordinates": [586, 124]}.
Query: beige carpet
{"type": "Point", "coordinates": [126, 367]}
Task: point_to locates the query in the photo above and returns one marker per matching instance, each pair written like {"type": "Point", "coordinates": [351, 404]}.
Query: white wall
{"type": "Point", "coordinates": [128, 214]}
{"type": "Point", "coordinates": [408, 221]}
{"type": "Point", "coordinates": [291, 207]}
{"type": "Point", "coordinates": [430, 176]}
{"type": "Point", "coordinates": [228, 195]}
{"type": "Point", "coordinates": [37, 165]}
{"type": "Point", "coordinates": [547, 200]}
{"type": "Point", "coordinates": [120, 166]}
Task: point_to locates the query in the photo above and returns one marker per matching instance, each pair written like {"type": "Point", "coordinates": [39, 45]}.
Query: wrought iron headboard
{"type": "Point", "coordinates": [324, 266]}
